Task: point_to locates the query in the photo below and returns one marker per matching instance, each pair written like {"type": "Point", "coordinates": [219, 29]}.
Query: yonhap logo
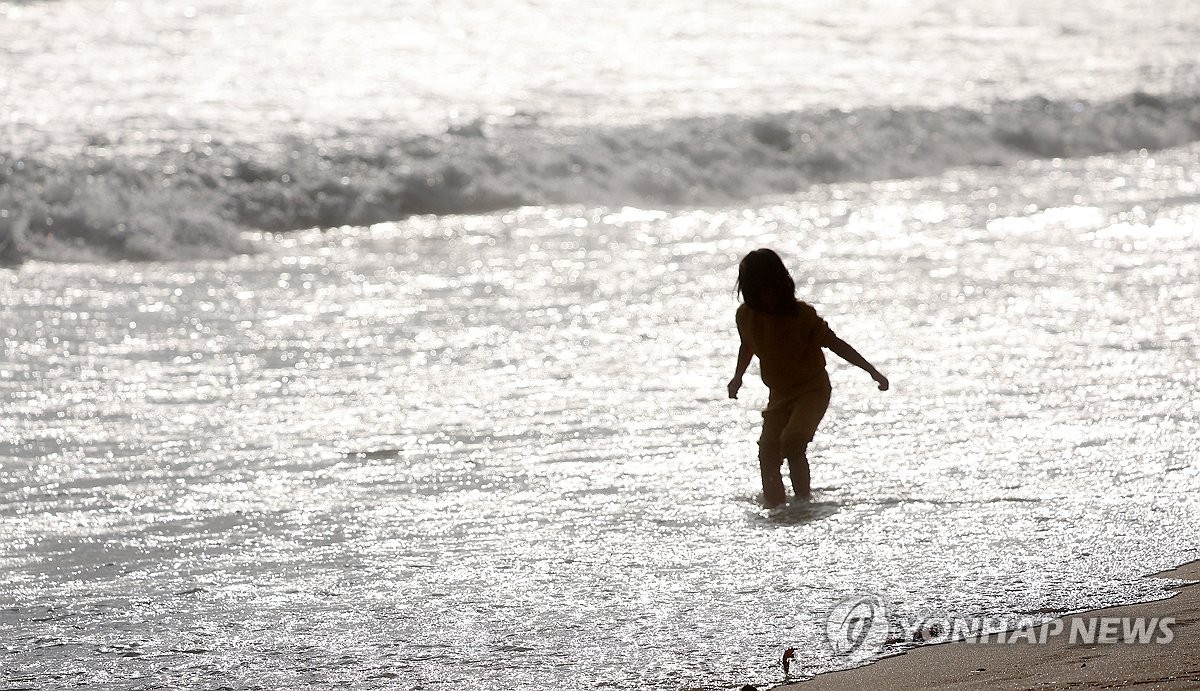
{"type": "Point", "coordinates": [857, 625]}
{"type": "Point", "coordinates": [860, 626]}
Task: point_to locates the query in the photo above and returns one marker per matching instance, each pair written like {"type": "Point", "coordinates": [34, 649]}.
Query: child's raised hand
{"type": "Point", "coordinates": [881, 380]}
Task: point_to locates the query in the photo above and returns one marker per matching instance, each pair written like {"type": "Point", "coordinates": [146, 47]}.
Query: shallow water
{"type": "Point", "coordinates": [487, 451]}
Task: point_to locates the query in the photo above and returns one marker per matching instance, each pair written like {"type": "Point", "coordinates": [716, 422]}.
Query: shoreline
{"type": "Point", "coordinates": [1056, 663]}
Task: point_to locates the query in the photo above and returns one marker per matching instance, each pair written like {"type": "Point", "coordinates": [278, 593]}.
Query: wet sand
{"type": "Point", "coordinates": [1056, 664]}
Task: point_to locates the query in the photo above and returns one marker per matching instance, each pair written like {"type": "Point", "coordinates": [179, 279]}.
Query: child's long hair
{"type": "Point", "coordinates": [765, 284]}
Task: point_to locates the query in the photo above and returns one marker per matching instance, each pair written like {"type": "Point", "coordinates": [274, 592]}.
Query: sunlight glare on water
{"type": "Point", "coordinates": [488, 451]}
{"type": "Point", "coordinates": [188, 69]}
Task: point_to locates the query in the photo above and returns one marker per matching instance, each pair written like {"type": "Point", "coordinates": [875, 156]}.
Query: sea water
{"type": "Point", "coordinates": [494, 450]}
{"type": "Point", "coordinates": [241, 69]}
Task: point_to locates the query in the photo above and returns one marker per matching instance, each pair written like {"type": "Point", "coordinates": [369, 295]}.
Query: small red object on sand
{"type": "Point", "coordinates": [788, 656]}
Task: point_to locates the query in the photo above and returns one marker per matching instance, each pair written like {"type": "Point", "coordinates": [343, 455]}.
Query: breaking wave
{"type": "Point", "coordinates": [194, 199]}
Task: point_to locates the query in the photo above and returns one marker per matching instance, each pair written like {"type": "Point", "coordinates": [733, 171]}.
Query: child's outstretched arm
{"type": "Point", "coordinates": [745, 353]}
{"type": "Point", "coordinates": [847, 352]}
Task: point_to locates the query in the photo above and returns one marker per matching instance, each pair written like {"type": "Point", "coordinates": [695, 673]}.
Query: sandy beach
{"type": "Point", "coordinates": [1058, 663]}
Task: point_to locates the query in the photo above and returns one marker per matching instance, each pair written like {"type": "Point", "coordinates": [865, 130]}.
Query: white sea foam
{"type": "Point", "coordinates": [191, 200]}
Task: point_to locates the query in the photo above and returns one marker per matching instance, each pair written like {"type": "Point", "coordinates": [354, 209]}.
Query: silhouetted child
{"type": "Point", "coordinates": [787, 336]}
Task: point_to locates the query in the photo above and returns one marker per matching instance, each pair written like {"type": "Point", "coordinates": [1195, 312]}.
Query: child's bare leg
{"type": "Point", "coordinates": [798, 467]}
{"type": "Point", "coordinates": [802, 424]}
{"type": "Point", "coordinates": [772, 481]}
{"type": "Point", "coordinates": [770, 458]}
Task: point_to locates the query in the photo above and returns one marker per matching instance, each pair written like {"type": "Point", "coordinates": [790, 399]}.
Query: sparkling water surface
{"type": "Point", "coordinates": [489, 451]}
{"type": "Point", "coordinates": [142, 74]}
